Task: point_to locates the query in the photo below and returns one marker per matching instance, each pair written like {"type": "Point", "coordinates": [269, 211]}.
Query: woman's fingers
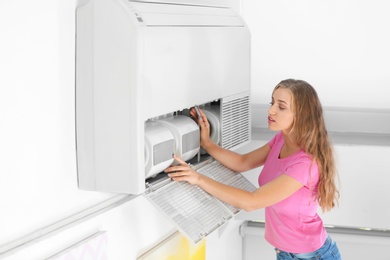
{"type": "Point", "coordinates": [182, 172]}
{"type": "Point", "coordinates": [194, 115]}
{"type": "Point", "coordinates": [203, 117]}
{"type": "Point", "coordinates": [177, 158]}
{"type": "Point", "coordinates": [178, 173]}
{"type": "Point", "coordinates": [174, 169]}
{"type": "Point", "coordinates": [178, 178]}
{"type": "Point", "coordinates": [178, 169]}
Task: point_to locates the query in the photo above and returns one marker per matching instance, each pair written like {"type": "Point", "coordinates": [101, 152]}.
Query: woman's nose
{"type": "Point", "coordinates": [271, 111]}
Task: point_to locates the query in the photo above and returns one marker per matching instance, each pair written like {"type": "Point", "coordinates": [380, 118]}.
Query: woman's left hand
{"type": "Point", "coordinates": [182, 172]}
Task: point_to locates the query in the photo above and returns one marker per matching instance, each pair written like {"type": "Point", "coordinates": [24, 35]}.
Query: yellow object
{"type": "Point", "coordinates": [176, 247]}
{"type": "Point", "coordinates": [186, 251]}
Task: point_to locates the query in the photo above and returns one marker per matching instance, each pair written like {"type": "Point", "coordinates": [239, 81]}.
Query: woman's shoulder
{"type": "Point", "coordinates": [302, 156]}
{"type": "Point", "coordinates": [278, 137]}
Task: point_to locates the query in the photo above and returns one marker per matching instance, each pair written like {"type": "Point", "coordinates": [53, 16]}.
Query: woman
{"type": "Point", "coordinates": [298, 174]}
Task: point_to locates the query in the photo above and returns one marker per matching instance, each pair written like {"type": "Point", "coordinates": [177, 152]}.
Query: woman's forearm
{"type": "Point", "coordinates": [230, 159]}
{"type": "Point", "coordinates": [239, 198]}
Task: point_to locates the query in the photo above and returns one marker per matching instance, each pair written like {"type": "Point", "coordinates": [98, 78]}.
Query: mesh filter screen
{"type": "Point", "coordinates": [220, 173]}
{"type": "Point", "coordinates": [194, 212]}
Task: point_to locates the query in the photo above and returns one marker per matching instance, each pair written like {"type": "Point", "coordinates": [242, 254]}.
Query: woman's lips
{"type": "Point", "coordinates": [270, 120]}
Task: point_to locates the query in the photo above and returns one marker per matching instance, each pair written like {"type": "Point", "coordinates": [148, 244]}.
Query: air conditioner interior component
{"type": "Point", "coordinates": [213, 115]}
{"type": "Point", "coordinates": [159, 147]}
{"type": "Point", "coordinates": [186, 135]}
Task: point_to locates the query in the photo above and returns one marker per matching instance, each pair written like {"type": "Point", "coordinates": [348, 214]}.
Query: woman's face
{"type": "Point", "coordinates": [280, 114]}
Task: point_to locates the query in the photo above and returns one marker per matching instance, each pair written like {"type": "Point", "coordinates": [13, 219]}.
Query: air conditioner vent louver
{"type": "Point", "coordinates": [195, 212]}
{"type": "Point", "coordinates": [235, 121]}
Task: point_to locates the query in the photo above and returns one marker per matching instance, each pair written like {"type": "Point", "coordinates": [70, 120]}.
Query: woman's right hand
{"type": "Point", "coordinates": [204, 125]}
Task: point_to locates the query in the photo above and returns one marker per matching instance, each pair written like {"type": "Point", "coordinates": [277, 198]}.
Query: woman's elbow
{"type": "Point", "coordinates": [249, 208]}
{"type": "Point", "coordinates": [251, 205]}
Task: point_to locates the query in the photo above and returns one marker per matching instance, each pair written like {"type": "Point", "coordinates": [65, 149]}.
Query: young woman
{"type": "Point", "coordinates": [298, 174]}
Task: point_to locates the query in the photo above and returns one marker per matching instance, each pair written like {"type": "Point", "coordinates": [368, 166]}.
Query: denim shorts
{"type": "Point", "coordinates": [329, 251]}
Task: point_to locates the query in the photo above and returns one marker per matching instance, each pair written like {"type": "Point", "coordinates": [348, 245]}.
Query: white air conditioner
{"type": "Point", "coordinates": [139, 62]}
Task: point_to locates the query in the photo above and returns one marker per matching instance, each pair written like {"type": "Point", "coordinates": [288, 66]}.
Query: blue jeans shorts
{"type": "Point", "coordinates": [329, 251]}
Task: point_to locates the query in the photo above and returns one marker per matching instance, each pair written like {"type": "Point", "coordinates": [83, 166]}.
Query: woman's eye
{"type": "Point", "coordinates": [280, 107]}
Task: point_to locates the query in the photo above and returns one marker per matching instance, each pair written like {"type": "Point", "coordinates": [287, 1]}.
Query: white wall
{"type": "Point", "coordinates": [340, 47]}
{"type": "Point", "coordinates": [38, 178]}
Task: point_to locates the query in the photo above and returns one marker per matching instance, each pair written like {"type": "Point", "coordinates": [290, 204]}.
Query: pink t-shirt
{"type": "Point", "coordinates": [293, 225]}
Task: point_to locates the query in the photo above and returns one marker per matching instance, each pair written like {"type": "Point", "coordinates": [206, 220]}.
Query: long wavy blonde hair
{"type": "Point", "coordinates": [309, 132]}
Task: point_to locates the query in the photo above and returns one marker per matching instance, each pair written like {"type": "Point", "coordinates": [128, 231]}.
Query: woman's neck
{"type": "Point", "coordinates": [289, 147]}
